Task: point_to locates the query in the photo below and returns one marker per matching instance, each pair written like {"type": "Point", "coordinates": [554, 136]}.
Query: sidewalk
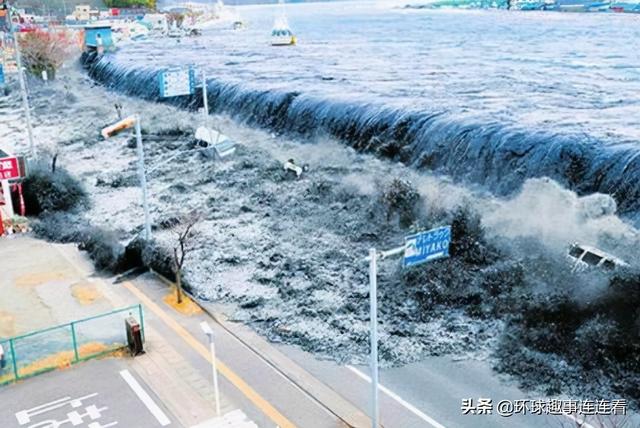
{"type": "Point", "coordinates": [46, 284]}
{"type": "Point", "coordinates": [188, 395]}
{"type": "Point", "coordinates": [259, 385]}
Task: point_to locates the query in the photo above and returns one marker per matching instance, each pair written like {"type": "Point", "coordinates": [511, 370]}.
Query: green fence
{"type": "Point", "coordinates": [60, 346]}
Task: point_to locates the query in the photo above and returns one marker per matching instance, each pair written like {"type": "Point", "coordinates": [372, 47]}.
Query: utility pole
{"type": "Point", "coordinates": [23, 86]}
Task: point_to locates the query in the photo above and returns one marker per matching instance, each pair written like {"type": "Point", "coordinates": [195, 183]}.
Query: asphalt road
{"type": "Point", "coordinates": [429, 394]}
{"type": "Point", "coordinates": [95, 394]}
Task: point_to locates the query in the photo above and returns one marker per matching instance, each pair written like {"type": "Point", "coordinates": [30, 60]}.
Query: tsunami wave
{"type": "Point", "coordinates": [497, 156]}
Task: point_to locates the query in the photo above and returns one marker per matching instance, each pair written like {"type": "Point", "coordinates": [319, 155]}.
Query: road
{"type": "Point", "coordinates": [100, 393]}
{"type": "Point", "coordinates": [259, 381]}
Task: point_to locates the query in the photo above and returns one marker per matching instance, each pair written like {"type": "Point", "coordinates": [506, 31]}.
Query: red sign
{"type": "Point", "coordinates": [9, 168]}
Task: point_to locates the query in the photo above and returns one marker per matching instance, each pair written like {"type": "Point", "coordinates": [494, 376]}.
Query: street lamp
{"type": "Point", "coordinates": [23, 84]}
{"type": "Point", "coordinates": [206, 329]}
{"type": "Point", "coordinates": [128, 122]}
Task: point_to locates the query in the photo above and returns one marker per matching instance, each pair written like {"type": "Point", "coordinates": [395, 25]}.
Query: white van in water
{"type": "Point", "coordinates": [584, 257]}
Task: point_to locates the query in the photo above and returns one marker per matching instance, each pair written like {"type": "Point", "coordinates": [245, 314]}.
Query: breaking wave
{"type": "Point", "coordinates": [495, 155]}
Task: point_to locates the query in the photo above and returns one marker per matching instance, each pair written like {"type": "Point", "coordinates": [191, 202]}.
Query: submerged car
{"type": "Point", "coordinates": [584, 257]}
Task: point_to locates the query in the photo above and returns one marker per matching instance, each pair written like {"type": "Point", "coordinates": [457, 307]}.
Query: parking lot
{"type": "Point", "coordinates": [96, 394]}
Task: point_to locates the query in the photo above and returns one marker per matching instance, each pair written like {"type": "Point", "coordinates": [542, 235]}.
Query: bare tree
{"type": "Point", "coordinates": [46, 50]}
{"type": "Point", "coordinates": [184, 239]}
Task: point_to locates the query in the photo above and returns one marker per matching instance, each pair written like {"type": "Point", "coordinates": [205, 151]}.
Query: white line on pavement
{"type": "Point", "coordinates": [426, 418]}
{"type": "Point", "coordinates": [396, 397]}
{"type": "Point", "coordinates": [145, 398]}
{"type": "Point", "coordinates": [581, 424]}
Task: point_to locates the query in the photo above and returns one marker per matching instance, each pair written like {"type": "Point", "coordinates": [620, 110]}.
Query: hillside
{"type": "Point", "coordinates": [55, 5]}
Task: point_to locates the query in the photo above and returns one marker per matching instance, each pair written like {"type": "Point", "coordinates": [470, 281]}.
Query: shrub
{"type": "Point", "coordinates": [468, 238]}
{"type": "Point", "coordinates": [158, 259]}
{"type": "Point", "coordinates": [46, 50]}
{"type": "Point", "coordinates": [103, 247]}
{"type": "Point", "coordinates": [151, 4]}
{"type": "Point", "coordinates": [59, 227]}
{"type": "Point", "coordinates": [46, 190]}
{"type": "Point", "coordinates": [400, 198]}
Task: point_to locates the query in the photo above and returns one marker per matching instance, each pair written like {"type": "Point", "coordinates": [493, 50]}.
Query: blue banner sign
{"type": "Point", "coordinates": [427, 246]}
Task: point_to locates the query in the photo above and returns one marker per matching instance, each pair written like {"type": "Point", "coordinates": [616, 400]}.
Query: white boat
{"type": "Point", "coordinates": [584, 257]}
{"type": "Point", "coordinates": [222, 145]}
{"type": "Point", "coordinates": [238, 23]}
{"type": "Point", "coordinates": [281, 35]}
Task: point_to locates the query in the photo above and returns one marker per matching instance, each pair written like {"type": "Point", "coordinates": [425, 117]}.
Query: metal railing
{"type": "Point", "coordinates": [44, 350]}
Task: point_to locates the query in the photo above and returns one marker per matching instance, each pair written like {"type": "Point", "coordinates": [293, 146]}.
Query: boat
{"type": "Point", "coordinates": [584, 257]}
{"type": "Point", "coordinates": [238, 23]}
{"type": "Point", "coordinates": [625, 7]}
{"type": "Point", "coordinates": [281, 35]}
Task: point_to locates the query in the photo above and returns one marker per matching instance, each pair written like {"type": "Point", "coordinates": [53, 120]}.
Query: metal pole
{"type": "Point", "coordinates": [216, 390]}
{"type": "Point", "coordinates": [141, 321]}
{"type": "Point", "coordinates": [205, 99]}
{"type": "Point", "coordinates": [23, 87]}
{"type": "Point", "coordinates": [75, 342]}
{"type": "Point", "coordinates": [6, 191]}
{"type": "Point", "coordinates": [143, 180]}
{"type": "Point", "coordinates": [16, 374]}
{"type": "Point", "coordinates": [373, 302]}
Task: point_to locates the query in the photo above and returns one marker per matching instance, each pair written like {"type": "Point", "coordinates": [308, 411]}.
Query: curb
{"type": "Point", "coordinates": [325, 396]}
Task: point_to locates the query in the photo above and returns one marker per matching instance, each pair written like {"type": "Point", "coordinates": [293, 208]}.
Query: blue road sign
{"type": "Point", "coordinates": [426, 246]}
{"type": "Point", "coordinates": [1, 75]}
{"type": "Point", "coordinates": [175, 82]}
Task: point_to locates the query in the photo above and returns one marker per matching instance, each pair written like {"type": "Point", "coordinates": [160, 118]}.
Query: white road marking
{"type": "Point", "coordinates": [426, 418]}
{"type": "Point", "coordinates": [145, 398]}
{"type": "Point", "coordinates": [581, 424]}
{"type": "Point", "coordinates": [24, 416]}
{"type": "Point", "coordinates": [234, 419]}
{"type": "Point", "coordinates": [396, 397]}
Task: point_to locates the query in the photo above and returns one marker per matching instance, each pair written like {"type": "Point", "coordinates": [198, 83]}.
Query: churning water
{"type": "Point", "coordinates": [490, 97]}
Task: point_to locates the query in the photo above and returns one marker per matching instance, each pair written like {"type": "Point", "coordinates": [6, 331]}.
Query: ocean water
{"type": "Point", "coordinates": [492, 97]}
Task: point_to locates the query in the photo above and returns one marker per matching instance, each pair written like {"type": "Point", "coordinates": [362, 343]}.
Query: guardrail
{"type": "Point", "coordinates": [44, 350]}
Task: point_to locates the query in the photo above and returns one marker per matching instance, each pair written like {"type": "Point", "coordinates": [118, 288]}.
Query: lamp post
{"type": "Point", "coordinates": [206, 329]}
{"type": "Point", "coordinates": [129, 122]}
{"type": "Point", "coordinates": [23, 85]}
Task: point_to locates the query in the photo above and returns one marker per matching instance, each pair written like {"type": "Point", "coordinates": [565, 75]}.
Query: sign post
{"type": "Point", "coordinates": [419, 248]}
{"type": "Point", "coordinates": [9, 170]}
{"type": "Point", "coordinates": [8, 203]}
